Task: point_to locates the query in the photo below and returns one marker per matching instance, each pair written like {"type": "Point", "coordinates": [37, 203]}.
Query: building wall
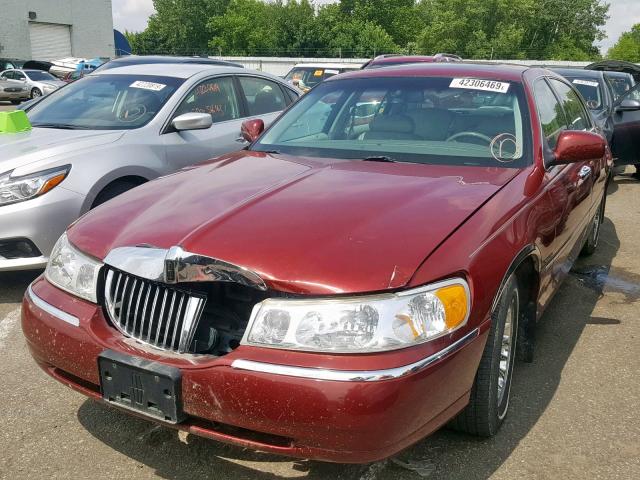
{"type": "Point", "coordinates": [91, 23]}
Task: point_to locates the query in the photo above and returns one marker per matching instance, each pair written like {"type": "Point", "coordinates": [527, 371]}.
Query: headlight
{"type": "Point", "coordinates": [19, 189]}
{"type": "Point", "coordinates": [361, 324]}
{"type": "Point", "coordinates": [73, 271]}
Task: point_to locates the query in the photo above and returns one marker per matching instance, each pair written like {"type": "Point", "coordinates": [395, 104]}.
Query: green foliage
{"type": "Point", "coordinates": [627, 47]}
{"type": "Point", "coordinates": [513, 29]}
{"type": "Point", "coordinates": [507, 29]}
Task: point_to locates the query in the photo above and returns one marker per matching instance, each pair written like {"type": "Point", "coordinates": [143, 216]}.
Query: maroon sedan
{"type": "Point", "coordinates": [394, 60]}
{"type": "Point", "coordinates": [363, 273]}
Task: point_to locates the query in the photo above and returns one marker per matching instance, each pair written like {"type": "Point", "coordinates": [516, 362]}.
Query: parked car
{"type": "Point", "coordinates": [338, 290]}
{"type": "Point", "coordinates": [8, 63]}
{"type": "Point", "coordinates": [112, 131]}
{"type": "Point", "coordinates": [392, 60]}
{"type": "Point", "coordinates": [38, 83]}
{"type": "Point", "coordinates": [9, 91]}
{"type": "Point", "coordinates": [73, 76]}
{"type": "Point", "coordinates": [618, 117]}
{"type": "Point", "coordinates": [305, 76]}
{"type": "Point", "coordinates": [151, 59]}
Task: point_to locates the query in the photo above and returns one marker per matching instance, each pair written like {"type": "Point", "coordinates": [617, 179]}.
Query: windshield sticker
{"type": "Point", "coordinates": [318, 73]}
{"type": "Point", "coordinates": [477, 84]}
{"type": "Point", "coordinates": [156, 87]}
{"type": "Point", "coordinates": [333, 72]}
{"type": "Point", "coordinates": [504, 148]}
{"type": "Point", "coordinates": [589, 83]}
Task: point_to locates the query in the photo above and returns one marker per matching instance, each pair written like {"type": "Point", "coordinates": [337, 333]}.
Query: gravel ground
{"type": "Point", "coordinates": [574, 411]}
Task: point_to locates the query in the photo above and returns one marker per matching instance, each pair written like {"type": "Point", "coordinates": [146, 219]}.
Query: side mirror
{"type": "Point", "coordinates": [251, 129]}
{"type": "Point", "coordinates": [192, 121]}
{"type": "Point", "coordinates": [628, 105]}
{"type": "Point", "coordinates": [578, 146]}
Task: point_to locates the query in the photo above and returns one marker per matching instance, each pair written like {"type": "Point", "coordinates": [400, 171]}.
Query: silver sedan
{"type": "Point", "coordinates": [37, 82]}
{"type": "Point", "coordinates": [111, 131]}
{"type": "Point", "coordinates": [12, 92]}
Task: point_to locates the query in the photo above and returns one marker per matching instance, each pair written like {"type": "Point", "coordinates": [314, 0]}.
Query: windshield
{"type": "Point", "coordinates": [309, 77]}
{"type": "Point", "coordinates": [40, 76]}
{"type": "Point", "coordinates": [438, 120]}
{"type": "Point", "coordinates": [105, 102]}
{"type": "Point", "coordinates": [590, 90]}
{"type": "Point", "coordinates": [620, 84]}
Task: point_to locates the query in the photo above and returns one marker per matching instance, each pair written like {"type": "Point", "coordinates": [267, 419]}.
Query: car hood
{"type": "Point", "coordinates": [52, 83]}
{"type": "Point", "coordinates": [42, 145]}
{"type": "Point", "coordinates": [304, 225]}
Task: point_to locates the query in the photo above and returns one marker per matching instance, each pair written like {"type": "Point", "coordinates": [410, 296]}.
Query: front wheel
{"type": "Point", "coordinates": [491, 389]}
{"type": "Point", "coordinates": [35, 93]}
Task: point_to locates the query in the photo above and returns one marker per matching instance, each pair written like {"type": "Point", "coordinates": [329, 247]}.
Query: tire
{"type": "Point", "coordinates": [591, 243]}
{"type": "Point", "coordinates": [35, 93]}
{"type": "Point", "coordinates": [113, 190]}
{"type": "Point", "coordinates": [489, 401]}
{"type": "Point", "coordinates": [16, 102]}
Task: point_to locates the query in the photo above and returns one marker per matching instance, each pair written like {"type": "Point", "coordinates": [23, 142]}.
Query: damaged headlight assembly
{"type": "Point", "coordinates": [361, 324]}
{"type": "Point", "coordinates": [73, 271]}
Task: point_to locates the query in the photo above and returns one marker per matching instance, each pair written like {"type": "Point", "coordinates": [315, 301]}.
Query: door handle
{"type": "Point", "coordinates": [585, 172]}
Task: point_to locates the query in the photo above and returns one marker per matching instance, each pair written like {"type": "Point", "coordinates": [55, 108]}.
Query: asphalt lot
{"type": "Point", "coordinates": [574, 411]}
{"type": "Point", "coordinates": [6, 106]}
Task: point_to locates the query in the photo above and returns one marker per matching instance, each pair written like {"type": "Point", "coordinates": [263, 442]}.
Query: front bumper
{"type": "Point", "coordinates": [41, 220]}
{"type": "Point", "coordinates": [349, 418]}
{"type": "Point", "coordinates": [4, 95]}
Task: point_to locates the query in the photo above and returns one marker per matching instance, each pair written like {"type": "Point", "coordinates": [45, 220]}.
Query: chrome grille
{"type": "Point", "coordinates": [153, 313]}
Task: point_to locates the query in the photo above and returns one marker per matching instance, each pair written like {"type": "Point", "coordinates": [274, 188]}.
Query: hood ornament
{"type": "Point", "coordinates": [176, 265]}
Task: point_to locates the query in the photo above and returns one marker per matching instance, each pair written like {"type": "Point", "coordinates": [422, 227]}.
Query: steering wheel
{"type": "Point", "coordinates": [469, 134]}
{"type": "Point", "coordinates": [132, 113]}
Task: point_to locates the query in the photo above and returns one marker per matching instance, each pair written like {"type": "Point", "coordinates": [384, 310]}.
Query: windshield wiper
{"type": "Point", "coordinates": [62, 126]}
{"type": "Point", "coordinates": [379, 158]}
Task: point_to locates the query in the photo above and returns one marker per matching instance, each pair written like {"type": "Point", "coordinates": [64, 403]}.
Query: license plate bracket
{"type": "Point", "coordinates": [141, 385]}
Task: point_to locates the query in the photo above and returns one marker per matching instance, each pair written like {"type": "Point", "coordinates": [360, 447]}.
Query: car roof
{"type": "Point", "coordinates": [149, 59]}
{"type": "Point", "coordinates": [176, 70]}
{"type": "Point", "coordinates": [404, 58]}
{"type": "Point", "coordinates": [609, 73]}
{"type": "Point", "coordinates": [578, 72]}
{"type": "Point", "coordinates": [504, 72]}
{"type": "Point", "coordinates": [327, 65]}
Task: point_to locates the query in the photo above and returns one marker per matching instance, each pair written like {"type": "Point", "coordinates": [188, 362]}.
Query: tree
{"type": "Point", "coordinates": [627, 47]}
{"type": "Point", "coordinates": [178, 27]}
{"type": "Point", "coordinates": [535, 29]}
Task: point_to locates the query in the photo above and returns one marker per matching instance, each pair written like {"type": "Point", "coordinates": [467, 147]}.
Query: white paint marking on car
{"type": "Point", "coordinates": [479, 84]}
{"type": "Point", "coordinates": [156, 87]}
{"type": "Point", "coordinates": [7, 324]}
{"type": "Point", "coordinates": [589, 83]}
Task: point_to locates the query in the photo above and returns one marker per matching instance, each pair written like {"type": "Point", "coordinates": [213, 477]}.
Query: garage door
{"type": "Point", "coordinates": [49, 41]}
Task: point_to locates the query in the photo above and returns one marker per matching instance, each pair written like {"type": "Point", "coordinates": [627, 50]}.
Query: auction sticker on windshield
{"type": "Point", "coordinates": [477, 84]}
{"type": "Point", "coordinates": [589, 83]}
{"type": "Point", "coordinates": [156, 87]}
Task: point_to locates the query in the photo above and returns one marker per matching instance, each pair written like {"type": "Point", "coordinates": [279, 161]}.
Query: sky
{"type": "Point", "coordinates": [132, 15]}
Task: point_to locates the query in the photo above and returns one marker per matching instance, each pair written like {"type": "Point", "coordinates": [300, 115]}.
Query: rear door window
{"type": "Point", "coordinates": [550, 112]}
{"type": "Point", "coordinates": [262, 96]}
{"type": "Point", "coordinates": [215, 96]}
{"type": "Point", "coordinates": [577, 116]}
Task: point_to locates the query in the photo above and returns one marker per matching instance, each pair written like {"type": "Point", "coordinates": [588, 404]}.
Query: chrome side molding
{"type": "Point", "coordinates": [355, 375]}
{"type": "Point", "coordinates": [51, 310]}
{"type": "Point", "coordinates": [175, 265]}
